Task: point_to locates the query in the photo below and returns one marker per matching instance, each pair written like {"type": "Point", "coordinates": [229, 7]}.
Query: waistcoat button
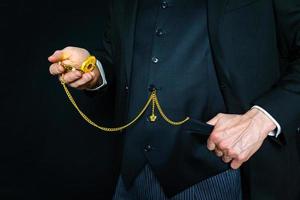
{"type": "Point", "coordinates": [155, 60]}
{"type": "Point", "coordinates": [152, 88]}
{"type": "Point", "coordinates": [147, 148]}
{"type": "Point", "coordinates": [164, 5]}
{"type": "Point", "coordinates": [160, 32]}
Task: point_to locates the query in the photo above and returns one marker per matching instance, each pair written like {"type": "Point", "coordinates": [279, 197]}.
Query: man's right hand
{"type": "Point", "coordinates": [74, 56]}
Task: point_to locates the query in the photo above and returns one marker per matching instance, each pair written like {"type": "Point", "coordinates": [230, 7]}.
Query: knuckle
{"type": "Point", "coordinates": [241, 158]}
{"type": "Point", "coordinates": [245, 158]}
{"type": "Point", "coordinates": [81, 49]}
{"type": "Point", "coordinates": [232, 153]}
{"type": "Point", "coordinates": [68, 48]}
{"type": "Point", "coordinates": [215, 137]}
{"type": "Point", "coordinates": [223, 145]}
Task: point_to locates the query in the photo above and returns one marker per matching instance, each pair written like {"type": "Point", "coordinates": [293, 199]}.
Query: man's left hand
{"type": "Point", "coordinates": [236, 138]}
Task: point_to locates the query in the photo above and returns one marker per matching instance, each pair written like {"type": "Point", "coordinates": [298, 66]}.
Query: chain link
{"type": "Point", "coordinates": [152, 99]}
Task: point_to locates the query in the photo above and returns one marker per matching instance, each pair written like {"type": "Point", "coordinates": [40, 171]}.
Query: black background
{"type": "Point", "coordinates": [46, 150]}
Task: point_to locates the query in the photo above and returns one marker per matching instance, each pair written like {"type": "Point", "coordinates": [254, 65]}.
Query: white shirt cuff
{"type": "Point", "coordinates": [273, 133]}
{"type": "Point", "coordinates": [102, 73]}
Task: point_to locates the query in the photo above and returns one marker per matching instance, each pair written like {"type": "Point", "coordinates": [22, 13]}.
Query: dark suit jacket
{"type": "Point", "coordinates": [256, 51]}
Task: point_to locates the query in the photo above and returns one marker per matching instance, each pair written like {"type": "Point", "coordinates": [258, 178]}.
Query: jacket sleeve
{"type": "Point", "coordinates": [104, 53]}
{"type": "Point", "coordinates": [283, 100]}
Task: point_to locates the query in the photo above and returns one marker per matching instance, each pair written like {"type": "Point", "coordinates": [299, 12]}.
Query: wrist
{"type": "Point", "coordinates": [267, 124]}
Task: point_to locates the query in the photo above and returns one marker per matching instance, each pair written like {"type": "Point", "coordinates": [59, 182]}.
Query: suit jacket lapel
{"type": "Point", "coordinates": [129, 26]}
{"type": "Point", "coordinates": [215, 12]}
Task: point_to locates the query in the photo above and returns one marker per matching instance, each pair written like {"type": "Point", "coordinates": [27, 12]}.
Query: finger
{"type": "Point", "coordinates": [242, 146]}
{"type": "Point", "coordinates": [210, 145]}
{"type": "Point", "coordinates": [70, 63]}
{"type": "Point", "coordinates": [214, 120]}
{"type": "Point", "coordinates": [226, 159]}
{"type": "Point", "coordinates": [72, 76]}
{"type": "Point", "coordinates": [213, 140]}
{"type": "Point", "coordinates": [85, 79]}
{"type": "Point", "coordinates": [247, 154]}
{"type": "Point", "coordinates": [56, 69]}
{"type": "Point", "coordinates": [240, 159]}
{"type": "Point", "coordinates": [235, 164]}
{"type": "Point", "coordinates": [218, 153]}
{"type": "Point", "coordinates": [222, 139]}
{"type": "Point", "coordinates": [87, 84]}
{"type": "Point", "coordinates": [58, 55]}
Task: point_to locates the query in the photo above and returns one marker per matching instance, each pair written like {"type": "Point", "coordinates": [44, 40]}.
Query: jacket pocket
{"type": "Point", "coordinates": [192, 151]}
{"type": "Point", "coordinates": [196, 127]}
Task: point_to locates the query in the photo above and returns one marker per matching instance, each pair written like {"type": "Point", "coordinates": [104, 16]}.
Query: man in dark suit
{"type": "Point", "coordinates": [234, 64]}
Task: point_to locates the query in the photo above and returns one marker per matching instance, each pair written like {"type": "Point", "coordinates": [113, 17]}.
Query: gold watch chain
{"type": "Point", "coordinates": [152, 99]}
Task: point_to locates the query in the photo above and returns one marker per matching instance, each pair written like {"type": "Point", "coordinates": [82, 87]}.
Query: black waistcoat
{"type": "Point", "coordinates": [172, 53]}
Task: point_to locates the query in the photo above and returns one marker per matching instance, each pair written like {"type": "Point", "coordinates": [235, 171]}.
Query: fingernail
{"type": "Point", "coordinates": [210, 147]}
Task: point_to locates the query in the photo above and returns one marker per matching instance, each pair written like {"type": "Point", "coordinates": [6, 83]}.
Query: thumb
{"type": "Point", "coordinates": [214, 120]}
{"type": "Point", "coordinates": [57, 56]}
